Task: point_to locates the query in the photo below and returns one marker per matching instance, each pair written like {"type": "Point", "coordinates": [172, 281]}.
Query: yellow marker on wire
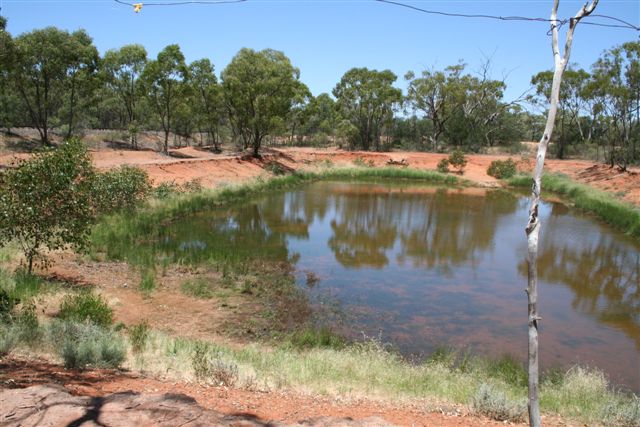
{"type": "Point", "coordinates": [137, 7]}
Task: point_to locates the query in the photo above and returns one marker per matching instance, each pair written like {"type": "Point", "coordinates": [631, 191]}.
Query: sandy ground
{"type": "Point", "coordinates": [168, 308]}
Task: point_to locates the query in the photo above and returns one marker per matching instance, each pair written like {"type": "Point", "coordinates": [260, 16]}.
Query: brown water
{"type": "Point", "coordinates": [422, 267]}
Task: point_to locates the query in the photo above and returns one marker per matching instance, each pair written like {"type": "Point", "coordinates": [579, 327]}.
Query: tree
{"type": "Point", "coordinates": [259, 91]}
{"type": "Point", "coordinates": [321, 115]}
{"type": "Point", "coordinates": [46, 201]}
{"type": "Point", "coordinates": [617, 87]}
{"type": "Point", "coordinates": [366, 99]}
{"type": "Point", "coordinates": [533, 223]}
{"type": "Point", "coordinates": [570, 104]}
{"type": "Point", "coordinates": [165, 84]}
{"type": "Point", "coordinates": [436, 94]}
{"type": "Point", "coordinates": [122, 69]}
{"type": "Point", "coordinates": [207, 97]}
{"type": "Point", "coordinates": [9, 102]}
{"type": "Point", "coordinates": [46, 62]}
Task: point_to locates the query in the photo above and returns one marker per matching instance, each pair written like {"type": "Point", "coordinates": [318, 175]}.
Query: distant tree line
{"type": "Point", "coordinates": [51, 79]}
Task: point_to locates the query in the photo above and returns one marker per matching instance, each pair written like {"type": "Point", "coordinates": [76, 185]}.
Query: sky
{"type": "Point", "coordinates": [325, 38]}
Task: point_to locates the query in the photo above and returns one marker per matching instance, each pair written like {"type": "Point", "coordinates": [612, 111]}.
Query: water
{"type": "Point", "coordinates": [422, 267]}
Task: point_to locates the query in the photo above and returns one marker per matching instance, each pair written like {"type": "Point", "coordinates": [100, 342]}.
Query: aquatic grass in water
{"type": "Point", "coordinates": [621, 215]}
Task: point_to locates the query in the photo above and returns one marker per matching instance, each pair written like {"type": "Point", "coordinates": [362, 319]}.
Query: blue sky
{"type": "Point", "coordinates": [325, 38]}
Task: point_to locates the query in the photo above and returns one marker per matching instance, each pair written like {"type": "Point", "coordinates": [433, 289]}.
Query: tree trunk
{"type": "Point", "coordinates": [533, 224]}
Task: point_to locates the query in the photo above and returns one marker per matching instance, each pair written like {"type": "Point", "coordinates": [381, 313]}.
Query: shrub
{"type": "Point", "coordinates": [27, 323]}
{"type": "Point", "coordinates": [502, 169]}
{"type": "Point", "coordinates": [45, 201]}
{"type": "Point", "coordinates": [120, 189]}
{"type": "Point", "coordinates": [83, 345]}
{"type": "Point", "coordinates": [9, 338]}
{"type": "Point", "coordinates": [192, 186]}
{"type": "Point", "coordinates": [166, 190]}
{"type": "Point", "coordinates": [622, 414]}
{"type": "Point", "coordinates": [199, 288]}
{"type": "Point", "coordinates": [458, 160]}
{"type": "Point", "coordinates": [86, 306]}
{"type": "Point", "coordinates": [148, 282]}
{"type": "Point", "coordinates": [494, 404]}
{"type": "Point", "coordinates": [212, 369]}
{"type": "Point", "coordinates": [139, 335]}
{"type": "Point", "coordinates": [443, 166]}
{"type": "Point", "coordinates": [275, 168]}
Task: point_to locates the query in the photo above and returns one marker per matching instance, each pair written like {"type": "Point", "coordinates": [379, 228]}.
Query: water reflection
{"type": "Point", "coordinates": [434, 266]}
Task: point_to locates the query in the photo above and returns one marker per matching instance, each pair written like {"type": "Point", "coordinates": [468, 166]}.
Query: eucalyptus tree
{"type": "Point", "coordinates": [259, 91]}
{"type": "Point", "coordinates": [81, 79]}
{"type": "Point", "coordinates": [9, 101]}
{"type": "Point", "coordinates": [436, 95]}
{"type": "Point", "coordinates": [321, 116]}
{"type": "Point", "coordinates": [571, 104]}
{"type": "Point", "coordinates": [122, 70]}
{"type": "Point", "coordinates": [208, 107]}
{"type": "Point", "coordinates": [299, 112]}
{"type": "Point", "coordinates": [47, 64]}
{"type": "Point", "coordinates": [616, 83]}
{"type": "Point", "coordinates": [533, 224]}
{"type": "Point", "coordinates": [165, 84]}
{"type": "Point", "coordinates": [366, 100]}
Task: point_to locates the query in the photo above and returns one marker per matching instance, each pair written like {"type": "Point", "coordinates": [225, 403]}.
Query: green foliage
{"type": "Point", "coordinates": [86, 306]}
{"type": "Point", "coordinates": [139, 335]}
{"type": "Point", "coordinates": [123, 188]}
{"type": "Point", "coordinates": [496, 405]}
{"type": "Point", "coordinates": [502, 169]}
{"type": "Point", "coordinates": [148, 281]}
{"type": "Point", "coordinates": [316, 338]}
{"type": "Point", "coordinates": [199, 288]}
{"type": "Point", "coordinates": [166, 190]}
{"type": "Point", "coordinates": [275, 168]}
{"type": "Point", "coordinates": [365, 99]}
{"type": "Point", "coordinates": [623, 216]}
{"type": "Point", "coordinates": [508, 369]}
{"type": "Point", "coordinates": [83, 345]}
{"type": "Point", "coordinates": [46, 201]}
{"type": "Point", "coordinates": [9, 338]}
{"type": "Point", "coordinates": [443, 166]}
{"type": "Point", "coordinates": [458, 160]}
{"type": "Point", "coordinates": [259, 90]}
{"type": "Point", "coordinates": [209, 367]}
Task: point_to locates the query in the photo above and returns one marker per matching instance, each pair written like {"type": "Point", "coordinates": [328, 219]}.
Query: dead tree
{"type": "Point", "coordinates": [533, 224]}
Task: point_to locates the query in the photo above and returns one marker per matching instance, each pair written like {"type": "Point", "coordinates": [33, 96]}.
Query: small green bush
{"type": "Point", "coordinates": [119, 189]}
{"type": "Point", "coordinates": [622, 414]}
{"type": "Point", "coordinates": [275, 168]}
{"type": "Point", "coordinates": [139, 335]}
{"type": "Point", "coordinates": [502, 169]}
{"type": "Point", "coordinates": [494, 404]}
{"type": "Point", "coordinates": [316, 338]}
{"type": "Point", "coordinates": [192, 186]}
{"type": "Point", "coordinates": [166, 190]}
{"type": "Point", "coordinates": [9, 338]}
{"type": "Point", "coordinates": [86, 306]}
{"type": "Point", "coordinates": [27, 323]}
{"type": "Point", "coordinates": [148, 281]}
{"type": "Point", "coordinates": [208, 368]}
{"type": "Point", "coordinates": [458, 160]}
{"type": "Point", "coordinates": [199, 288]}
{"type": "Point", "coordinates": [443, 166]}
{"type": "Point", "coordinates": [82, 345]}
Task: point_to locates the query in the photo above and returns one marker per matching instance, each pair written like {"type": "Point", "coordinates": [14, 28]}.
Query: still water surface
{"type": "Point", "coordinates": [423, 267]}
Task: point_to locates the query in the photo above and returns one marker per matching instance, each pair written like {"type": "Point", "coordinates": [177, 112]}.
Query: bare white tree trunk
{"type": "Point", "coordinates": [533, 224]}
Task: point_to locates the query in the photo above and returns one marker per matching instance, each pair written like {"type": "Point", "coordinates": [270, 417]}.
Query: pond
{"type": "Point", "coordinates": [422, 267]}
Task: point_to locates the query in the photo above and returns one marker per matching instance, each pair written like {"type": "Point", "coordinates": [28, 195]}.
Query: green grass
{"type": "Point", "coordinates": [623, 216]}
{"type": "Point", "coordinates": [199, 287]}
{"type": "Point", "coordinates": [369, 369]}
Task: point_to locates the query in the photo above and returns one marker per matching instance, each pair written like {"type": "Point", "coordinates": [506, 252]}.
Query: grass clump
{"type": "Point", "coordinates": [86, 306]}
{"type": "Point", "coordinates": [148, 281]}
{"type": "Point", "coordinates": [502, 169]}
{"type": "Point", "coordinates": [9, 338]}
{"type": "Point", "coordinates": [623, 216]}
{"type": "Point", "coordinates": [208, 367]}
{"type": "Point", "coordinates": [83, 345]}
{"type": "Point", "coordinates": [198, 288]}
{"type": "Point", "coordinates": [139, 336]}
{"type": "Point", "coordinates": [311, 337]}
{"type": "Point", "coordinates": [494, 404]}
